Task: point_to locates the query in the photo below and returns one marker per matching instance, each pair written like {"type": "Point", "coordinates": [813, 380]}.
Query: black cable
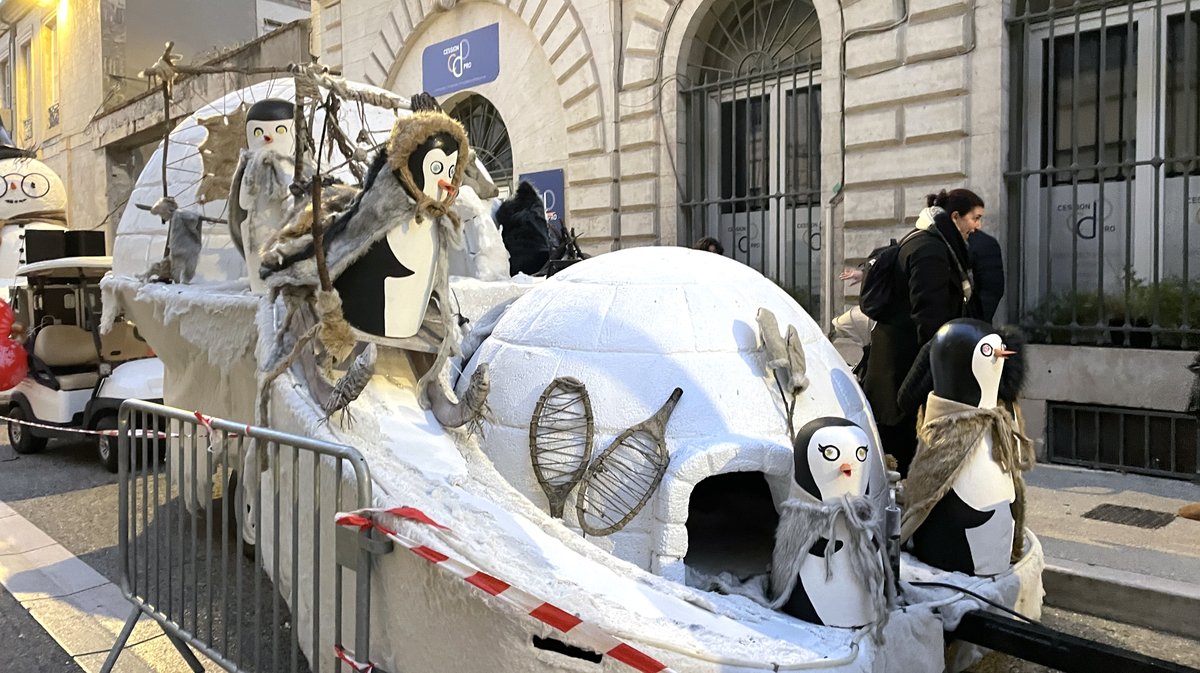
{"type": "Point", "coordinates": [990, 602]}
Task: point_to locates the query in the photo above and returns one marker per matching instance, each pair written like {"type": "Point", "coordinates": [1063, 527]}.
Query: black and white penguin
{"type": "Point", "coordinates": [831, 462]}
{"type": "Point", "coordinates": [259, 193]}
{"type": "Point", "coordinates": [385, 292]}
{"type": "Point", "coordinates": [970, 529]}
{"type": "Point", "coordinates": [270, 125]}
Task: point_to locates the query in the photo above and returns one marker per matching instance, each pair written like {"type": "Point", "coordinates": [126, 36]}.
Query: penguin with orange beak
{"type": "Point", "coordinates": [823, 584]}
{"type": "Point", "coordinates": [964, 489]}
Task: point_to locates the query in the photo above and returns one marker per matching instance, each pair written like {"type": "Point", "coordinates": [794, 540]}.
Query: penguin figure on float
{"type": "Point", "coordinates": [32, 199]}
{"type": "Point", "coordinates": [965, 494]}
{"type": "Point", "coordinates": [827, 567]}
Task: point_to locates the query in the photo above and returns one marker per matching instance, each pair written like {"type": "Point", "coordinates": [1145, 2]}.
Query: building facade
{"type": "Point", "coordinates": [804, 133]}
{"type": "Point", "coordinates": [69, 84]}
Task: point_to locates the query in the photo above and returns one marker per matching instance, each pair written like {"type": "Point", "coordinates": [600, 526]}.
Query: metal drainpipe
{"type": "Point", "coordinates": [618, 19]}
{"type": "Point", "coordinates": [12, 72]}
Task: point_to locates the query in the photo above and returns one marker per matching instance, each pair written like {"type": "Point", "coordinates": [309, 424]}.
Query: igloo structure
{"type": "Point", "coordinates": [632, 326]}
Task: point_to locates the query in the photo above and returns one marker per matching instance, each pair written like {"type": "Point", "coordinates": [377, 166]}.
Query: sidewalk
{"type": "Point", "coordinates": [1141, 575]}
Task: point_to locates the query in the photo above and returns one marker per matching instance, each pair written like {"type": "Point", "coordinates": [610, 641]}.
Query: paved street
{"type": "Point", "coordinates": [66, 494]}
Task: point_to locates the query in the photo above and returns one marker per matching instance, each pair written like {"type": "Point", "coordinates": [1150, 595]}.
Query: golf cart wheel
{"type": "Point", "coordinates": [106, 445]}
{"type": "Point", "coordinates": [21, 437]}
{"type": "Point", "coordinates": [238, 513]}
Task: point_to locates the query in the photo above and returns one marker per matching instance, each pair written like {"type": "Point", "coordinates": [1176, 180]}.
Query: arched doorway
{"type": "Point", "coordinates": [751, 129]}
{"type": "Point", "coordinates": [489, 136]}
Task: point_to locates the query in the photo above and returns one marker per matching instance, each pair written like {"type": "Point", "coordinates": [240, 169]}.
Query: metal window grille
{"type": "Point", "coordinates": [751, 127]}
{"type": "Point", "coordinates": [1158, 443]}
{"type": "Point", "coordinates": [52, 116]}
{"type": "Point", "coordinates": [1104, 174]}
{"type": "Point", "coordinates": [489, 138]}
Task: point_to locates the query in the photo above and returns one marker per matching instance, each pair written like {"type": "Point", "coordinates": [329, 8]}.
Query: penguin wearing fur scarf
{"type": "Point", "coordinates": [965, 492]}
{"type": "Point", "coordinates": [385, 292]}
{"type": "Point", "coordinates": [384, 247]}
{"type": "Point", "coordinates": [826, 567]}
{"type": "Point", "coordinates": [259, 195]}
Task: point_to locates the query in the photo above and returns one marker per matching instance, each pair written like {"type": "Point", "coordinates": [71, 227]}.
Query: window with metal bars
{"type": "Point", "coordinates": [1107, 185]}
{"type": "Point", "coordinates": [1158, 443]}
{"type": "Point", "coordinates": [751, 134]}
{"type": "Point", "coordinates": [489, 138]}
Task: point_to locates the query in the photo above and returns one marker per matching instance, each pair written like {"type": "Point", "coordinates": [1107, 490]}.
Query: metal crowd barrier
{"type": "Point", "coordinates": [244, 568]}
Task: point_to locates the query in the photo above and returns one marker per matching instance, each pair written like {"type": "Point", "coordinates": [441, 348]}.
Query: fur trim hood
{"type": "Point", "coordinates": [407, 136]}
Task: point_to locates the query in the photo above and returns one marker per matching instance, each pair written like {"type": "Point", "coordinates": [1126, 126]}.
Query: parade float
{"type": "Point", "coordinates": [655, 454]}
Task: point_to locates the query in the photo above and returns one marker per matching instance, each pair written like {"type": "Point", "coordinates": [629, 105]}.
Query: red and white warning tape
{"type": "Point", "coordinates": [81, 431]}
{"type": "Point", "coordinates": [587, 635]}
{"type": "Point", "coordinates": [204, 420]}
{"type": "Point", "coordinates": [350, 661]}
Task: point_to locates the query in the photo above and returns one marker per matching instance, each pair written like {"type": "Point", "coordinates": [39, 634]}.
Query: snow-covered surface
{"type": "Point", "coordinates": [422, 615]}
{"type": "Point", "coordinates": [632, 326]}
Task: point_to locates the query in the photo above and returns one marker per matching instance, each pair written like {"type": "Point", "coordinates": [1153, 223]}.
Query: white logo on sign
{"type": "Point", "coordinates": [549, 201]}
{"type": "Point", "coordinates": [458, 63]}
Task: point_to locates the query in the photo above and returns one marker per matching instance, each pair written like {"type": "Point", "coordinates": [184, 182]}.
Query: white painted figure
{"type": "Point", "coordinates": [415, 245]}
{"type": "Point", "coordinates": [831, 457]}
{"type": "Point", "coordinates": [29, 188]}
{"type": "Point", "coordinates": [970, 529]}
{"type": "Point", "coordinates": [32, 197]}
{"type": "Point", "coordinates": [262, 179]}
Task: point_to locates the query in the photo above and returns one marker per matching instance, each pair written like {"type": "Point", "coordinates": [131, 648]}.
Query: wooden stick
{"type": "Point", "coordinates": [203, 218]}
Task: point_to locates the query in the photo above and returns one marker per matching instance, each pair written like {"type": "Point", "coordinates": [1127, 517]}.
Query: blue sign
{"type": "Point", "coordinates": [468, 60]}
{"type": "Point", "coordinates": [550, 185]}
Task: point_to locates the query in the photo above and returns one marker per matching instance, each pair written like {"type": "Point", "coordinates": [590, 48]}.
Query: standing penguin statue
{"type": "Point", "coordinates": [385, 292]}
{"type": "Point", "coordinates": [965, 494]}
{"type": "Point", "coordinates": [827, 567]}
{"type": "Point", "coordinates": [386, 249]}
{"type": "Point", "coordinates": [259, 195]}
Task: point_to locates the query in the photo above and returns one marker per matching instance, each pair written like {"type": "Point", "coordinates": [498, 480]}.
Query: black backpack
{"type": "Point", "coordinates": [879, 270]}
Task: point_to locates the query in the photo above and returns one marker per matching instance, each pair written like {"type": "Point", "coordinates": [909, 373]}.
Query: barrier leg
{"type": "Point", "coordinates": [192, 662]}
{"type": "Point", "coordinates": [121, 640]}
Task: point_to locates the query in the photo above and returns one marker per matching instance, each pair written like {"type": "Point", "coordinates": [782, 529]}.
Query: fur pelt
{"type": "Point", "coordinates": [183, 235]}
{"type": "Point", "coordinates": [523, 221]}
{"type": "Point", "coordinates": [802, 524]}
{"type": "Point", "coordinates": [407, 135]}
{"type": "Point", "coordinates": [295, 239]}
{"type": "Point", "coordinates": [258, 198]}
{"type": "Point", "coordinates": [948, 431]}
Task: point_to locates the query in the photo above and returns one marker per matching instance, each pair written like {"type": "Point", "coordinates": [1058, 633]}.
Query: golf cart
{"type": "Point", "coordinates": [77, 378]}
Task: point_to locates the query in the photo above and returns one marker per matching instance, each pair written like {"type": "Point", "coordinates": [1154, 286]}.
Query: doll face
{"type": "Point", "coordinates": [837, 459]}
{"type": "Point", "coordinates": [271, 136]}
{"type": "Point", "coordinates": [437, 173]}
{"type": "Point", "coordinates": [29, 186]}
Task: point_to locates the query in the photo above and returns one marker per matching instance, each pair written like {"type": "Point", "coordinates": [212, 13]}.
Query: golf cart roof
{"type": "Point", "coordinates": [67, 267]}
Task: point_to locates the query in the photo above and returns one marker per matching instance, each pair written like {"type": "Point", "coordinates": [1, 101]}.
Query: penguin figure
{"type": "Point", "coordinates": [830, 464]}
{"type": "Point", "coordinates": [970, 529]}
{"type": "Point", "coordinates": [260, 194]}
{"type": "Point", "coordinates": [386, 291]}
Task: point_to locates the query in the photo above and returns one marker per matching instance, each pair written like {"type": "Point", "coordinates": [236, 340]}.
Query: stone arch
{"type": "Point", "coordinates": [655, 53]}
{"type": "Point", "coordinates": [559, 30]}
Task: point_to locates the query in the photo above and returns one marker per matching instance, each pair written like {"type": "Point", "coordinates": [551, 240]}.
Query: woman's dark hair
{"type": "Point", "coordinates": [961, 201]}
{"type": "Point", "coordinates": [710, 244]}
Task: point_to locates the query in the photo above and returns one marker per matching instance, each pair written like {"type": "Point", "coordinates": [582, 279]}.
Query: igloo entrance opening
{"type": "Point", "coordinates": [731, 525]}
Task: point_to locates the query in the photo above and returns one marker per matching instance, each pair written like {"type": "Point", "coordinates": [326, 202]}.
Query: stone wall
{"type": "Point", "coordinates": [924, 111]}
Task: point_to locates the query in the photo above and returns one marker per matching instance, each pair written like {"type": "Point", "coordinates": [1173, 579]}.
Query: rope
{"type": "Point", "coordinates": [80, 431]}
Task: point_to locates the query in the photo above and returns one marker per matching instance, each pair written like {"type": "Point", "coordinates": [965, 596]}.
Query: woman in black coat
{"type": "Point", "coordinates": [930, 287]}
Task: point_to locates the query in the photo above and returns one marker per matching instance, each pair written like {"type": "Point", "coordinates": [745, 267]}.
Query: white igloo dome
{"type": "Point", "coordinates": [632, 326]}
